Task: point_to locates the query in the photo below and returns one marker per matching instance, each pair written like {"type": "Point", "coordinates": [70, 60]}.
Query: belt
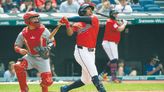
{"type": "Point", "coordinates": [89, 49]}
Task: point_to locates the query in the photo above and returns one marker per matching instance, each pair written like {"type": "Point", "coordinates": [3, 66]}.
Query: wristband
{"type": "Point", "coordinates": [67, 25]}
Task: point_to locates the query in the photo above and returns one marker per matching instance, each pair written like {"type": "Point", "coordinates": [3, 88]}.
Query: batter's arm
{"type": "Point", "coordinates": [122, 27]}
{"type": "Point", "coordinates": [65, 21]}
{"type": "Point", "coordinates": [86, 19]}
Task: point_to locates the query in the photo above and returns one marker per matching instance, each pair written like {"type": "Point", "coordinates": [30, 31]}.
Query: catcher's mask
{"type": "Point", "coordinates": [112, 12]}
{"type": "Point", "coordinates": [27, 16]}
{"type": "Point", "coordinates": [83, 7]}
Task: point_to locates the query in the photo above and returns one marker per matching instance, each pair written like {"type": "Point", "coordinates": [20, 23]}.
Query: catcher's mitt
{"type": "Point", "coordinates": [43, 51]}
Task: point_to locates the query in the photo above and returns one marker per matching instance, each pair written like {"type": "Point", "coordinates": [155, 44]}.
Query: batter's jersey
{"type": "Point", "coordinates": [111, 32]}
{"type": "Point", "coordinates": [87, 33]}
{"type": "Point", "coordinates": [33, 38]}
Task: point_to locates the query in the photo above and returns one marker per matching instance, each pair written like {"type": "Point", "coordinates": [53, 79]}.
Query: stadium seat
{"type": "Point", "coordinates": [150, 5]}
{"type": "Point", "coordinates": [137, 8]}
{"type": "Point", "coordinates": [144, 2]}
{"type": "Point", "coordinates": [153, 9]}
{"type": "Point", "coordinates": [95, 1]}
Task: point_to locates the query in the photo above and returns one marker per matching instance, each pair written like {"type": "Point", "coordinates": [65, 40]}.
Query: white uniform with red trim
{"type": "Point", "coordinates": [85, 47]}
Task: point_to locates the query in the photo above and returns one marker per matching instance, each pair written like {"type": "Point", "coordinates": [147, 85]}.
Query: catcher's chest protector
{"type": "Point", "coordinates": [33, 38]}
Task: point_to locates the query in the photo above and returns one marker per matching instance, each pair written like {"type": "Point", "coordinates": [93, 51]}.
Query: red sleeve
{"type": "Point", "coordinates": [75, 27]}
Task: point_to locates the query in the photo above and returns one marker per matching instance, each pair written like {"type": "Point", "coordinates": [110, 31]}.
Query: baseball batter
{"type": "Point", "coordinates": [110, 42]}
{"type": "Point", "coordinates": [87, 30]}
{"type": "Point", "coordinates": [35, 34]}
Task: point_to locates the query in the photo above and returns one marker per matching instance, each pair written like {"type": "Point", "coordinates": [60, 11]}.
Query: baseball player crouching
{"type": "Point", "coordinates": [32, 36]}
{"type": "Point", "coordinates": [87, 28]}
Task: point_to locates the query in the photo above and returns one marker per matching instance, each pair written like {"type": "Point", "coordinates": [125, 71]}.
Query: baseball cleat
{"type": "Point", "coordinates": [104, 77]}
{"type": "Point", "coordinates": [63, 89]}
{"type": "Point", "coordinates": [116, 81]}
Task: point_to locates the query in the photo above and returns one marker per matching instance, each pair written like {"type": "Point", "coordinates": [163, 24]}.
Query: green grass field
{"type": "Point", "coordinates": [110, 87]}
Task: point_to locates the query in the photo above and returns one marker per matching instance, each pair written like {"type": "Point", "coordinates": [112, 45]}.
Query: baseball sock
{"type": "Point", "coordinates": [76, 84]}
{"type": "Point", "coordinates": [113, 68]}
{"type": "Point", "coordinates": [98, 84]}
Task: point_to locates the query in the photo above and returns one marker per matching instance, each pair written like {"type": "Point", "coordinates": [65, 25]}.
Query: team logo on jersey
{"type": "Point", "coordinates": [32, 37]}
{"type": "Point", "coordinates": [115, 25]}
{"type": "Point", "coordinates": [84, 29]}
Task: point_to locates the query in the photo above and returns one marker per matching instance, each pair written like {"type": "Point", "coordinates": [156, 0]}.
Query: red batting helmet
{"type": "Point", "coordinates": [29, 15]}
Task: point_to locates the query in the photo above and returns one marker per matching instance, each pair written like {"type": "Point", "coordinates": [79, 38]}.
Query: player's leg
{"type": "Point", "coordinates": [43, 66]}
{"type": "Point", "coordinates": [111, 49]}
{"type": "Point", "coordinates": [46, 80]}
{"type": "Point", "coordinates": [89, 70]}
{"type": "Point", "coordinates": [20, 69]}
{"type": "Point", "coordinates": [77, 83]}
{"type": "Point", "coordinates": [113, 55]}
{"type": "Point", "coordinates": [108, 49]}
{"type": "Point", "coordinates": [74, 85]}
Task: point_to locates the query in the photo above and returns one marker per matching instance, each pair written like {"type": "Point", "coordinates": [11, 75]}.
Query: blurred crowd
{"type": "Point", "coordinates": [66, 6]}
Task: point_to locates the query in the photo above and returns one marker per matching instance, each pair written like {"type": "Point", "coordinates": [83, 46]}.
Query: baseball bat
{"type": "Point", "coordinates": [102, 14]}
{"type": "Point", "coordinates": [53, 33]}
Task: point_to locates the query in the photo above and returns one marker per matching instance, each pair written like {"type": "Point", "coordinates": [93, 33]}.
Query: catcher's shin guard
{"type": "Point", "coordinates": [113, 69]}
{"type": "Point", "coordinates": [98, 84]}
{"type": "Point", "coordinates": [20, 67]}
{"type": "Point", "coordinates": [46, 78]}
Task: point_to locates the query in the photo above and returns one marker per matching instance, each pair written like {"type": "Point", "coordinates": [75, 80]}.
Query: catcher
{"type": "Point", "coordinates": [36, 39]}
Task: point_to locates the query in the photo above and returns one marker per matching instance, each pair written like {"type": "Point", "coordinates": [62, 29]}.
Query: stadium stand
{"type": "Point", "coordinates": [160, 3]}
{"type": "Point", "coordinates": [144, 2]}
{"type": "Point", "coordinates": [151, 7]}
{"type": "Point", "coordinates": [96, 1]}
{"type": "Point", "coordinates": [137, 8]}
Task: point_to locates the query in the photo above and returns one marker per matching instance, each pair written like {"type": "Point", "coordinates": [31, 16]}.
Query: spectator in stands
{"type": "Point", "coordinates": [69, 6]}
{"type": "Point", "coordinates": [123, 7]}
{"type": "Point", "coordinates": [14, 9]}
{"type": "Point", "coordinates": [120, 67]}
{"type": "Point", "coordinates": [154, 67]}
{"type": "Point", "coordinates": [105, 9]}
{"type": "Point", "coordinates": [89, 2]}
{"type": "Point", "coordinates": [10, 75]}
{"type": "Point", "coordinates": [48, 7]}
{"type": "Point", "coordinates": [2, 69]}
{"type": "Point", "coordinates": [1, 9]}
{"type": "Point", "coordinates": [99, 6]}
{"type": "Point", "coordinates": [40, 4]}
{"type": "Point", "coordinates": [7, 6]}
{"type": "Point", "coordinates": [135, 2]}
{"type": "Point", "coordinates": [124, 70]}
{"type": "Point", "coordinates": [133, 71]}
{"type": "Point", "coordinates": [27, 6]}
{"type": "Point", "coordinates": [79, 1]}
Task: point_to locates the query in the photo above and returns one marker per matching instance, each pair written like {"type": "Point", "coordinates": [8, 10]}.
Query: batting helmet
{"type": "Point", "coordinates": [112, 12]}
{"type": "Point", "coordinates": [29, 15]}
{"type": "Point", "coordinates": [82, 9]}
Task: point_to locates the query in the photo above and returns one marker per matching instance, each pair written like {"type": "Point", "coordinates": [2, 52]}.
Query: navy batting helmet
{"type": "Point", "coordinates": [82, 9]}
{"type": "Point", "coordinates": [112, 12]}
